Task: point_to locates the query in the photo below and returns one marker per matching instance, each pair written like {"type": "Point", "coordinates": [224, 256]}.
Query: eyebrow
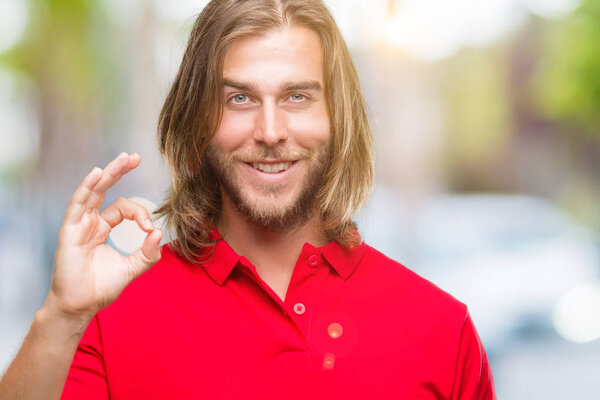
{"type": "Point", "coordinates": [239, 85]}
{"type": "Point", "coordinates": [287, 86]}
{"type": "Point", "coordinates": [310, 85]}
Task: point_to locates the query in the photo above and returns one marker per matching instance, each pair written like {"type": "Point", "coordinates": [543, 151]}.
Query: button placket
{"type": "Point", "coordinates": [307, 277]}
{"type": "Point", "coordinates": [313, 261]}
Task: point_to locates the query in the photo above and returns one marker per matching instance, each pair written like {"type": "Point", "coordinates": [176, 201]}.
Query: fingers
{"type": "Point", "coordinates": [91, 191]}
{"type": "Point", "coordinates": [111, 175]}
{"type": "Point", "coordinates": [77, 204]}
{"type": "Point", "coordinates": [147, 255]}
{"type": "Point", "coordinates": [116, 169]}
{"type": "Point", "coordinates": [122, 209]}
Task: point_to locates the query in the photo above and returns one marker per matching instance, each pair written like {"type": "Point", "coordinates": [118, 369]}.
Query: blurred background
{"type": "Point", "coordinates": [487, 131]}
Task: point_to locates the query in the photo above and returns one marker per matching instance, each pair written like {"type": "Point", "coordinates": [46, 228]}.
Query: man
{"type": "Point", "coordinates": [268, 290]}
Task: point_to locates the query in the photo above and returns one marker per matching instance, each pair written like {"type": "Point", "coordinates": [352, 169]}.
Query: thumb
{"type": "Point", "coordinates": [147, 255]}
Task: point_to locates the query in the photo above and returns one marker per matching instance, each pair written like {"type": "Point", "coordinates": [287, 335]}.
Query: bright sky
{"type": "Point", "coordinates": [426, 29]}
{"type": "Point", "coordinates": [435, 29]}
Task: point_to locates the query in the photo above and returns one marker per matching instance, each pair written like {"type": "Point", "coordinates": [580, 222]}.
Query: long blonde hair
{"type": "Point", "coordinates": [193, 109]}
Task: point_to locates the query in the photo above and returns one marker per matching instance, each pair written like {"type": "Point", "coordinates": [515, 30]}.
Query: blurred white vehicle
{"type": "Point", "coordinates": [508, 257]}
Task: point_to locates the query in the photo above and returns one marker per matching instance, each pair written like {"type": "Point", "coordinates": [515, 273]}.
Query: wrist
{"type": "Point", "coordinates": [54, 318]}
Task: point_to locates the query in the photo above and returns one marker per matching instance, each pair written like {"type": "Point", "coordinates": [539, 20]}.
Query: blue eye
{"type": "Point", "coordinates": [297, 97]}
{"type": "Point", "coordinates": [239, 98]}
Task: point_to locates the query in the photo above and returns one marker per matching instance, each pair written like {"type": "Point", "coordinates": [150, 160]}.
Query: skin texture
{"type": "Point", "coordinates": [275, 111]}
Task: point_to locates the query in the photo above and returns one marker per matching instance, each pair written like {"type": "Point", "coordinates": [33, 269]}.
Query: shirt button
{"type": "Point", "coordinates": [299, 308]}
{"type": "Point", "coordinates": [313, 260]}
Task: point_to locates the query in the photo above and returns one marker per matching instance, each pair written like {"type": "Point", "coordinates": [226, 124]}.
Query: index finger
{"type": "Point", "coordinates": [111, 174]}
{"type": "Point", "coordinates": [79, 199]}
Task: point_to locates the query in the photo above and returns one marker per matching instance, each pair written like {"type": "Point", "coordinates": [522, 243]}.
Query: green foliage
{"type": "Point", "coordinates": [62, 50]}
{"type": "Point", "coordinates": [567, 83]}
{"type": "Point", "coordinates": [479, 116]}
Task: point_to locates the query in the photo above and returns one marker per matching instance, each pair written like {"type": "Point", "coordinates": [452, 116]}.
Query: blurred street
{"type": "Point", "coordinates": [487, 149]}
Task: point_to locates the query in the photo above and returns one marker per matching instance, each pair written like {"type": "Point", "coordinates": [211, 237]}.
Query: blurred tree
{"type": "Point", "coordinates": [567, 83]}
{"type": "Point", "coordinates": [66, 52]}
{"type": "Point", "coordinates": [479, 119]}
{"type": "Point", "coordinates": [566, 91]}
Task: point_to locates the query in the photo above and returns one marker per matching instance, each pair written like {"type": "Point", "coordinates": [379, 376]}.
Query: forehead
{"type": "Point", "coordinates": [285, 55]}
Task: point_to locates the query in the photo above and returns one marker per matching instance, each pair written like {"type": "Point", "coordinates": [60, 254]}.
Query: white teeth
{"type": "Point", "coordinates": [272, 167]}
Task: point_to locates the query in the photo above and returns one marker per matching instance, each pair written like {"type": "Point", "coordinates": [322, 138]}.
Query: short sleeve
{"type": "Point", "coordinates": [87, 376]}
{"type": "Point", "coordinates": [473, 379]}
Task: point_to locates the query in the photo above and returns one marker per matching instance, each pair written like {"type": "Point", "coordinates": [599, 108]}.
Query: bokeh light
{"type": "Point", "coordinates": [13, 19]}
{"type": "Point", "coordinates": [328, 361]}
{"type": "Point", "coordinates": [335, 330]}
{"type": "Point", "coordinates": [552, 8]}
{"type": "Point", "coordinates": [576, 316]}
{"type": "Point", "coordinates": [19, 131]}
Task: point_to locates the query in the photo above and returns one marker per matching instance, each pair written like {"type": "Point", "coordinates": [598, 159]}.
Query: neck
{"type": "Point", "coordinates": [274, 254]}
{"type": "Point", "coordinates": [251, 240]}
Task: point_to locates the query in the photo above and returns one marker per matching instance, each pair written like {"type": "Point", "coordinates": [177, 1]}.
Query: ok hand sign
{"type": "Point", "coordinates": [89, 275]}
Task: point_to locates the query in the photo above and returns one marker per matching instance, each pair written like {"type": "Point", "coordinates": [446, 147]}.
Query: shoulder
{"type": "Point", "coordinates": [400, 284]}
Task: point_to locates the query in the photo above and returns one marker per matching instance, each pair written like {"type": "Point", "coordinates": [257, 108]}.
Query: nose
{"type": "Point", "coordinates": [270, 127]}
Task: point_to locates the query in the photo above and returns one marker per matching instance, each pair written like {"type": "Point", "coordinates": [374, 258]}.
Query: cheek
{"type": "Point", "coordinates": [310, 132]}
{"type": "Point", "coordinates": [234, 130]}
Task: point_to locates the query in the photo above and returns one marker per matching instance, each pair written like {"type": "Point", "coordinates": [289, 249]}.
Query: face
{"type": "Point", "coordinates": [270, 151]}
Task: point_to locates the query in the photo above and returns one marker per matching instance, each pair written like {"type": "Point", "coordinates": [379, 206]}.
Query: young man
{"type": "Point", "coordinates": [268, 291]}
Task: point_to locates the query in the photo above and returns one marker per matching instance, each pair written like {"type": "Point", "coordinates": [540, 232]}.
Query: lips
{"type": "Point", "coordinates": [272, 167]}
{"type": "Point", "coordinates": [271, 172]}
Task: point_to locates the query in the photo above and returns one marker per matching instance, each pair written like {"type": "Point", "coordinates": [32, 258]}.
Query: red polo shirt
{"type": "Point", "coordinates": [354, 325]}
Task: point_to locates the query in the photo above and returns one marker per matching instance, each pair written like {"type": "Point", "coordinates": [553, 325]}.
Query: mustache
{"type": "Point", "coordinates": [271, 153]}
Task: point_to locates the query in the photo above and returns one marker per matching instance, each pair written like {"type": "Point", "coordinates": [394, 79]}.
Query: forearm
{"type": "Point", "coordinates": [88, 276]}
{"type": "Point", "coordinates": [40, 369]}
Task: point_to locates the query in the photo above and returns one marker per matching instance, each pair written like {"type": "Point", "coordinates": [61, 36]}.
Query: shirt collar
{"type": "Point", "coordinates": [344, 259]}
{"type": "Point", "coordinates": [224, 259]}
{"type": "Point", "coordinates": [221, 261]}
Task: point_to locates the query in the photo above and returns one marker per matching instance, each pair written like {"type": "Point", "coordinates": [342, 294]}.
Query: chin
{"type": "Point", "coordinates": [275, 214]}
{"type": "Point", "coordinates": [270, 208]}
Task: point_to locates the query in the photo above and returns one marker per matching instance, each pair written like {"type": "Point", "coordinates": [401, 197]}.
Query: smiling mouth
{"type": "Point", "coordinates": [272, 168]}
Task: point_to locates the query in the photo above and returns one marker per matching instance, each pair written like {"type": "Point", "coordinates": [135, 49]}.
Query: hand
{"type": "Point", "coordinates": [89, 275]}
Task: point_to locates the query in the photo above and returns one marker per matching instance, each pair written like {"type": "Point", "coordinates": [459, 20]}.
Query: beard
{"type": "Point", "coordinates": [267, 215]}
